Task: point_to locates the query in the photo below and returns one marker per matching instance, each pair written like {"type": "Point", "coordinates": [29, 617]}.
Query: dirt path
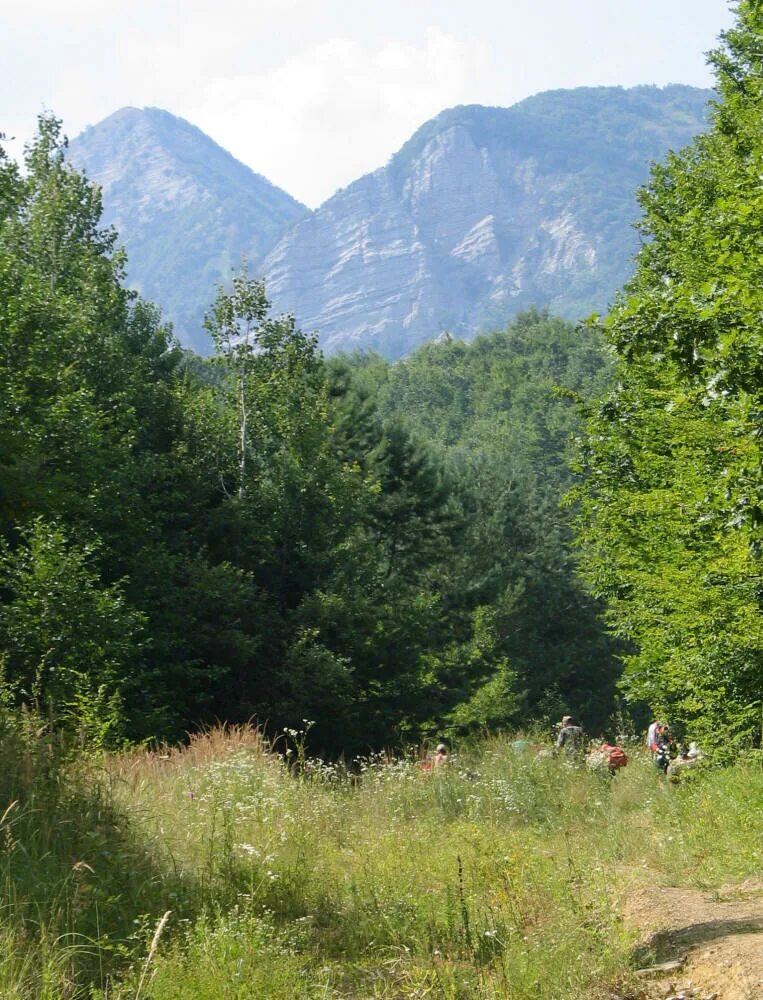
{"type": "Point", "coordinates": [717, 937]}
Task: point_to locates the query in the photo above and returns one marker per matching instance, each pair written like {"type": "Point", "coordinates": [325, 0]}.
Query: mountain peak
{"type": "Point", "coordinates": [483, 212]}
{"type": "Point", "coordinates": [187, 210]}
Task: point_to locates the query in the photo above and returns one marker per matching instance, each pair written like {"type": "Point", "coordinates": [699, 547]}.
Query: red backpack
{"type": "Point", "coordinates": [616, 756]}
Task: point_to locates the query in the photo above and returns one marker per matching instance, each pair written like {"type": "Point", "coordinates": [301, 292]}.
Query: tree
{"type": "Point", "coordinates": [673, 501]}
{"type": "Point", "coordinates": [68, 641]}
{"type": "Point", "coordinates": [494, 415]}
{"type": "Point", "coordinates": [267, 361]}
{"type": "Point", "coordinates": [95, 440]}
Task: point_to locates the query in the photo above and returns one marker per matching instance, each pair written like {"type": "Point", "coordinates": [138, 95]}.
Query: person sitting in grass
{"type": "Point", "coordinates": [438, 759]}
{"type": "Point", "coordinates": [688, 757]}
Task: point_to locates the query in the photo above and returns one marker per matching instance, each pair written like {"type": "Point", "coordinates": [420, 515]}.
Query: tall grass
{"type": "Point", "coordinates": [502, 875]}
{"type": "Point", "coordinates": [75, 875]}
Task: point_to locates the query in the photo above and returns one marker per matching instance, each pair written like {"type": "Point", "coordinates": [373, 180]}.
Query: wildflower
{"type": "Point", "coordinates": [249, 849]}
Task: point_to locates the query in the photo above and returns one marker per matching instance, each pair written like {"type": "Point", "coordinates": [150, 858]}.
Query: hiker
{"type": "Point", "coordinates": [614, 757]}
{"type": "Point", "coordinates": [440, 756]}
{"type": "Point", "coordinates": [655, 729]}
{"type": "Point", "coordinates": [570, 736]}
{"type": "Point", "coordinates": [688, 758]}
{"type": "Point", "coordinates": [661, 746]}
{"type": "Point", "coordinates": [660, 735]}
{"type": "Point", "coordinates": [650, 733]}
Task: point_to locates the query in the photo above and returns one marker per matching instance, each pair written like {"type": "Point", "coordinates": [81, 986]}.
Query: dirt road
{"type": "Point", "coordinates": [717, 938]}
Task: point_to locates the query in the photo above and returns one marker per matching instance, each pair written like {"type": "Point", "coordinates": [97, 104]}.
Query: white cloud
{"type": "Point", "coordinates": [313, 93]}
{"type": "Point", "coordinates": [337, 110]}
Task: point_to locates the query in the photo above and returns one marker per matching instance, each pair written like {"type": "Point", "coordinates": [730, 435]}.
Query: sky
{"type": "Point", "coordinates": [315, 93]}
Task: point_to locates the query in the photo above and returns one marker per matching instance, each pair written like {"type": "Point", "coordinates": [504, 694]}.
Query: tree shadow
{"type": "Point", "coordinates": [74, 869]}
{"type": "Point", "coordinates": [671, 944]}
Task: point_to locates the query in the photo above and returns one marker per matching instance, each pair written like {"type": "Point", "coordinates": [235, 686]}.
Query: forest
{"type": "Point", "coordinates": [554, 517]}
{"type": "Point", "coordinates": [268, 534]}
{"type": "Point", "coordinates": [241, 597]}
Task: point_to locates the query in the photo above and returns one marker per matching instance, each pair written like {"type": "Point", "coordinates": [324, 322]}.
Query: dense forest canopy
{"type": "Point", "coordinates": [672, 495]}
{"type": "Point", "coordinates": [386, 550]}
{"type": "Point", "coordinates": [494, 414]}
{"type": "Point", "coordinates": [379, 549]}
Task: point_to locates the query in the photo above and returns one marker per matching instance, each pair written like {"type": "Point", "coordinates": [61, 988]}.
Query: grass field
{"type": "Point", "coordinates": [227, 870]}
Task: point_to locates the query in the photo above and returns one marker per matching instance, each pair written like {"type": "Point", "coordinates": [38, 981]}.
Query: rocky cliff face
{"type": "Point", "coordinates": [484, 211]}
{"type": "Point", "coordinates": [185, 209]}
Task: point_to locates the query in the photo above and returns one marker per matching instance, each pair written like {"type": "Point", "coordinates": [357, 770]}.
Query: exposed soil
{"type": "Point", "coordinates": [717, 937]}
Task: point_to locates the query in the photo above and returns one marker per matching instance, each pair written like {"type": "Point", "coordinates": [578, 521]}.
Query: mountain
{"type": "Point", "coordinates": [483, 212]}
{"type": "Point", "coordinates": [185, 209]}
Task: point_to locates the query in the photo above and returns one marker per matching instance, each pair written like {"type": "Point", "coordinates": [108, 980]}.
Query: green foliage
{"type": "Point", "coordinates": [496, 703]}
{"type": "Point", "coordinates": [495, 413]}
{"type": "Point", "coordinates": [414, 644]}
{"type": "Point", "coordinates": [76, 877]}
{"type": "Point", "coordinates": [202, 539]}
{"type": "Point", "coordinates": [237, 951]}
{"type": "Point", "coordinates": [672, 524]}
{"type": "Point", "coordinates": [68, 640]}
{"type": "Point", "coordinates": [93, 444]}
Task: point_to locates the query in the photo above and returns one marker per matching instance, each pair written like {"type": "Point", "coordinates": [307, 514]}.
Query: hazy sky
{"type": "Point", "coordinates": [314, 93]}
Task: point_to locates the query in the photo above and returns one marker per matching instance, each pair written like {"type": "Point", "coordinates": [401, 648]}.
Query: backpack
{"type": "Point", "coordinates": [571, 738]}
{"type": "Point", "coordinates": [616, 756]}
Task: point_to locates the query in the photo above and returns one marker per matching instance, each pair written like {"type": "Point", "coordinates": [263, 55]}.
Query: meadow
{"type": "Point", "coordinates": [232, 867]}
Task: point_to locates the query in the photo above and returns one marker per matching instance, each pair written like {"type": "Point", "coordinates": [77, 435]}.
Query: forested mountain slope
{"type": "Point", "coordinates": [185, 209]}
{"type": "Point", "coordinates": [496, 415]}
{"type": "Point", "coordinates": [482, 213]}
